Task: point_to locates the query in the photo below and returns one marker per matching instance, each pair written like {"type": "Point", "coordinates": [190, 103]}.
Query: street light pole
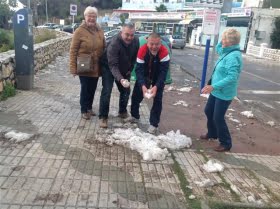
{"type": "Point", "coordinates": [28, 4]}
{"type": "Point", "coordinates": [47, 11]}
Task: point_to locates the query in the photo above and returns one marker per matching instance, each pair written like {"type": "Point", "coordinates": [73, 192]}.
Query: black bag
{"type": "Point", "coordinates": [84, 63]}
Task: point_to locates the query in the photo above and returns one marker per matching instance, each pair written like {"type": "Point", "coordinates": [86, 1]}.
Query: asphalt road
{"type": "Point", "coordinates": [259, 81]}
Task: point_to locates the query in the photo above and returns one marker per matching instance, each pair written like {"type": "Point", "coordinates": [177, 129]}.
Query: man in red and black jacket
{"type": "Point", "coordinates": [151, 70]}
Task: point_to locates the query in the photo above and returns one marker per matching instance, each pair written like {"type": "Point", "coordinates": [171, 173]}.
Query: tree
{"type": "Point", "coordinates": [123, 17]}
{"type": "Point", "coordinates": [5, 12]}
{"type": "Point", "coordinates": [161, 8]}
{"type": "Point", "coordinates": [275, 35]}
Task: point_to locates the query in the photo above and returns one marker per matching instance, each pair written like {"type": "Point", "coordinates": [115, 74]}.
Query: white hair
{"type": "Point", "coordinates": [90, 10]}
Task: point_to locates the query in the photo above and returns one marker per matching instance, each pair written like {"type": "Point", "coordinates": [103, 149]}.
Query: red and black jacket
{"type": "Point", "coordinates": [150, 69]}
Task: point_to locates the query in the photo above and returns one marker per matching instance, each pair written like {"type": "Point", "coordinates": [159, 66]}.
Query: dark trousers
{"type": "Point", "coordinates": [136, 99]}
{"type": "Point", "coordinates": [215, 111]}
{"type": "Point", "coordinates": [88, 87]}
{"type": "Point", "coordinates": [107, 86]}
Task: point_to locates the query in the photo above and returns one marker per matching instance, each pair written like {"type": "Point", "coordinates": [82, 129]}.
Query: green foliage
{"type": "Point", "coordinates": [8, 91]}
{"type": "Point", "coordinates": [161, 8]}
{"type": "Point", "coordinates": [5, 14]}
{"type": "Point", "coordinates": [61, 9]}
{"type": "Point", "coordinates": [48, 34]}
{"type": "Point", "coordinates": [6, 40]}
{"type": "Point", "coordinates": [123, 17]}
{"type": "Point", "coordinates": [275, 35]}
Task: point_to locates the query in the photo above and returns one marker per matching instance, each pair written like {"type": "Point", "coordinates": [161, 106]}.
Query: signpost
{"type": "Point", "coordinates": [73, 12]}
{"type": "Point", "coordinates": [211, 22]}
{"type": "Point", "coordinates": [210, 26]}
{"type": "Point", "coordinates": [24, 53]}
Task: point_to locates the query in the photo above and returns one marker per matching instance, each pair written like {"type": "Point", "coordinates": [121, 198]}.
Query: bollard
{"type": "Point", "coordinates": [206, 55]}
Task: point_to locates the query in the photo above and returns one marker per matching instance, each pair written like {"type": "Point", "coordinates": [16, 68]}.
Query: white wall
{"type": "Point", "coordinates": [263, 21]}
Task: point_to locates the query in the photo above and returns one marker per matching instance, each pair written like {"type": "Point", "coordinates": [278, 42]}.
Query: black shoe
{"type": "Point", "coordinates": [123, 115]}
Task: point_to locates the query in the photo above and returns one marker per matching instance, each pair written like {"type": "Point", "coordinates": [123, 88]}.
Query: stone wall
{"type": "Point", "coordinates": [44, 53]}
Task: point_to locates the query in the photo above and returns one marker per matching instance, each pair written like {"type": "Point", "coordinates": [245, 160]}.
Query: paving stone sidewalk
{"type": "Point", "coordinates": [64, 167]}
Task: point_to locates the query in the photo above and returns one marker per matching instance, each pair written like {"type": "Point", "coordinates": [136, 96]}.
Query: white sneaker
{"type": "Point", "coordinates": [131, 119]}
{"type": "Point", "coordinates": [152, 129]}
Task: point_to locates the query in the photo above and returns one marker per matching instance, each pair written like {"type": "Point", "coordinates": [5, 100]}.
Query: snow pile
{"type": "Point", "coordinates": [248, 114]}
{"type": "Point", "coordinates": [185, 89]}
{"type": "Point", "coordinates": [252, 199]}
{"type": "Point", "coordinates": [212, 167]}
{"type": "Point", "coordinates": [17, 137]}
{"type": "Point", "coordinates": [170, 88]}
{"type": "Point", "coordinates": [204, 183]}
{"type": "Point", "coordinates": [181, 102]}
{"type": "Point", "coordinates": [149, 146]}
{"type": "Point", "coordinates": [271, 123]}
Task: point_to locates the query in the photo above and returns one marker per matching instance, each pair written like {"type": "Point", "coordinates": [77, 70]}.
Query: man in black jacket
{"type": "Point", "coordinates": [151, 70]}
{"type": "Point", "coordinates": [117, 64]}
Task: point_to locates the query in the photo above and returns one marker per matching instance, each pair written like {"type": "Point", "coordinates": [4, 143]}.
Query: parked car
{"type": "Point", "coordinates": [110, 34]}
{"type": "Point", "coordinates": [70, 28]}
{"type": "Point", "coordinates": [177, 41]}
{"type": "Point", "coordinates": [49, 25]}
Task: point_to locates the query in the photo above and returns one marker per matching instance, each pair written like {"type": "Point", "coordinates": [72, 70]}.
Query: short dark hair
{"type": "Point", "coordinates": [154, 35]}
{"type": "Point", "coordinates": [129, 25]}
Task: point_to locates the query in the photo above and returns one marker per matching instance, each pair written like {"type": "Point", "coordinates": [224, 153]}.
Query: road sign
{"type": "Point", "coordinates": [211, 21]}
{"type": "Point", "coordinates": [73, 9]}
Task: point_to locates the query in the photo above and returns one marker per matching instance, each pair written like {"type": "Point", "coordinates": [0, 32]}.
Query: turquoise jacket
{"type": "Point", "coordinates": [226, 76]}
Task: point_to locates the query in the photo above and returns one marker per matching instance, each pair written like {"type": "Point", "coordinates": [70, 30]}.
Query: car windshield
{"type": "Point", "coordinates": [177, 36]}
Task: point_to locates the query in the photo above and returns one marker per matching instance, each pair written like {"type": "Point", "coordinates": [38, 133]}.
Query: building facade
{"type": "Point", "coordinates": [150, 5]}
{"type": "Point", "coordinates": [174, 5]}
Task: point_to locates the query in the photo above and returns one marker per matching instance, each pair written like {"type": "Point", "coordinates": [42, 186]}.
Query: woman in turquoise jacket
{"type": "Point", "coordinates": [223, 88]}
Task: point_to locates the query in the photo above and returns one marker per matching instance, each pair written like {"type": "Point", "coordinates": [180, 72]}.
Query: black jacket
{"type": "Point", "coordinates": [152, 70]}
{"type": "Point", "coordinates": [121, 57]}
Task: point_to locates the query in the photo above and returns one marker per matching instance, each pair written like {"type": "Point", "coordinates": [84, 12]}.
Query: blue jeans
{"type": "Point", "coordinates": [215, 111]}
{"type": "Point", "coordinates": [107, 86]}
{"type": "Point", "coordinates": [88, 87]}
{"type": "Point", "coordinates": [136, 99]}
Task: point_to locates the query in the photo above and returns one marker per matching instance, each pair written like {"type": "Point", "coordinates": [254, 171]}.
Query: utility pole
{"type": "Point", "coordinates": [47, 19]}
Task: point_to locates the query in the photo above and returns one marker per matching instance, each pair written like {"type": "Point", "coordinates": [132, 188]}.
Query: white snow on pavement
{"type": "Point", "coordinates": [181, 102]}
{"type": "Point", "coordinates": [271, 123]}
{"type": "Point", "coordinates": [185, 89]}
{"type": "Point", "coordinates": [17, 136]}
{"type": "Point", "coordinates": [212, 167]}
{"type": "Point", "coordinates": [149, 146]}
{"type": "Point", "coordinates": [204, 183]}
{"type": "Point", "coordinates": [248, 114]}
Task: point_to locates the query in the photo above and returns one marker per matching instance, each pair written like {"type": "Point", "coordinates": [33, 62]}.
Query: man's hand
{"type": "Point", "coordinates": [125, 83]}
{"type": "Point", "coordinates": [207, 89]}
{"type": "Point", "coordinates": [144, 90]}
{"type": "Point", "coordinates": [153, 91]}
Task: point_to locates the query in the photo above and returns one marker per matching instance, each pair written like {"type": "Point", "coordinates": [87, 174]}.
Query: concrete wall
{"type": "Point", "coordinates": [44, 53]}
{"type": "Point", "coordinates": [262, 25]}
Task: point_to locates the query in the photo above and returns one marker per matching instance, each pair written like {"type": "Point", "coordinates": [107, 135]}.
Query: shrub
{"type": "Point", "coordinates": [275, 35]}
{"type": "Point", "coordinates": [8, 91]}
{"type": "Point", "coordinates": [47, 35]}
{"type": "Point", "coordinates": [6, 40]}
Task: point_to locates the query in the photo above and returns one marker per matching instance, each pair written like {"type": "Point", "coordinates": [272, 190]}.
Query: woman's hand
{"type": "Point", "coordinates": [207, 89]}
